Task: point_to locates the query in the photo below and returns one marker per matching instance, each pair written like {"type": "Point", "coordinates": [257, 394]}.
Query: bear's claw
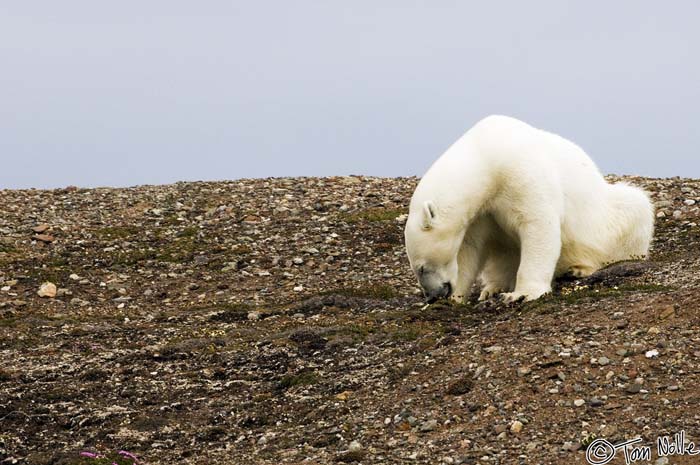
{"type": "Point", "coordinates": [581, 271]}
{"type": "Point", "coordinates": [513, 297]}
{"type": "Point", "coordinates": [489, 292]}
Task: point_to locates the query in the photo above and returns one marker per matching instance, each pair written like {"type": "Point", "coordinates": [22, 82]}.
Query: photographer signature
{"type": "Point", "coordinates": [602, 451]}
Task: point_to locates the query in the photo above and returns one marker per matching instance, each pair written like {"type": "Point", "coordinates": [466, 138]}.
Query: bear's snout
{"type": "Point", "coordinates": [442, 292]}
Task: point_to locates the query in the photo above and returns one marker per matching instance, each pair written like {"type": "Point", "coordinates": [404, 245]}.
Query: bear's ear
{"type": "Point", "coordinates": [428, 215]}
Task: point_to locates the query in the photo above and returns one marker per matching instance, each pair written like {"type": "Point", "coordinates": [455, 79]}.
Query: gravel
{"type": "Point", "coordinates": [276, 321]}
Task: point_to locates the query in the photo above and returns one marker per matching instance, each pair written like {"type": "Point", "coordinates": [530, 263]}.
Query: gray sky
{"type": "Point", "coordinates": [134, 92]}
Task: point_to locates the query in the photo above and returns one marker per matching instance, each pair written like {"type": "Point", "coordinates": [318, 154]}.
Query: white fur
{"type": "Point", "coordinates": [516, 206]}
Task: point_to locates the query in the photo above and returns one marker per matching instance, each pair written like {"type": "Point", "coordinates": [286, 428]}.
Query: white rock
{"type": "Point", "coordinates": [355, 446]}
{"type": "Point", "coordinates": [47, 289]}
{"type": "Point", "coordinates": [516, 426]}
{"type": "Point", "coordinates": [579, 402]}
{"type": "Point", "coordinates": [401, 219]}
{"type": "Point", "coordinates": [651, 353]}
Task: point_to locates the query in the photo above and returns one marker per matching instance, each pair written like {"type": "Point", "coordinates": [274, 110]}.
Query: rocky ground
{"type": "Point", "coordinates": [276, 321]}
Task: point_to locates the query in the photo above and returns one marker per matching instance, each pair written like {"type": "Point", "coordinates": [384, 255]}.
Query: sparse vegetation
{"type": "Point", "coordinates": [372, 215]}
{"type": "Point", "coordinates": [186, 334]}
{"type": "Point", "coordinates": [372, 291]}
{"type": "Point", "coordinates": [305, 377]}
{"type": "Point", "coordinates": [108, 233]}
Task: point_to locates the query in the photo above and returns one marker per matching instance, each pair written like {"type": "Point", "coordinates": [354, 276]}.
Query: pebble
{"type": "Point", "coordinates": [524, 371]}
{"type": "Point", "coordinates": [579, 402]}
{"type": "Point", "coordinates": [603, 361]}
{"type": "Point", "coordinates": [494, 349]}
{"type": "Point", "coordinates": [254, 315]}
{"type": "Point", "coordinates": [516, 426]}
{"type": "Point", "coordinates": [47, 238]}
{"type": "Point", "coordinates": [48, 289]}
{"type": "Point", "coordinates": [689, 202]}
{"type": "Point", "coordinates": [428, 425]}
{"type": "Point", "coordinates": [355, 446]}
{"type": "Point", "coordinates": [633, 388]}
{"type": "Point", "coordinates": [668, 312]}
{"type": "Point", "coordinates": [651, 353]}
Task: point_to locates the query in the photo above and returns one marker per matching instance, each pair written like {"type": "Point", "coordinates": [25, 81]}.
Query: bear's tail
{"type": "Point", "coordinates": [633, 218]}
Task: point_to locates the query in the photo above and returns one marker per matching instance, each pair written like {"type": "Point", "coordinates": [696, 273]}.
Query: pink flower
{"type": "Point", "coordinates": [128, 454]}
{"type": "Point", "coordinates": [89, 454]}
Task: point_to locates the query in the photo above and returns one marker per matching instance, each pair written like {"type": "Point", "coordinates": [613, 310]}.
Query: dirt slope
{"type": "Point", "coordinates": [276, 321]}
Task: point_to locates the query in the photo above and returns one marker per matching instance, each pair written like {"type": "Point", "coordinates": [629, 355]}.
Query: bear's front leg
{"type": "Point", "coordinates": [540, 245]}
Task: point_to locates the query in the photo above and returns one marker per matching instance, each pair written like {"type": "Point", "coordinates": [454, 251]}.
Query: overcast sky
{"type": "Point", "coordinates": [149, 92]}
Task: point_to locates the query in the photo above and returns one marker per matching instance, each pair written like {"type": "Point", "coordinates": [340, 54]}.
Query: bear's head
{"type": "Point", "coordinates": [432, 245]}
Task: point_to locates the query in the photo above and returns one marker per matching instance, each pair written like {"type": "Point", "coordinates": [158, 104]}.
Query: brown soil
{"type": "Point", "coordinates": [277, 321]}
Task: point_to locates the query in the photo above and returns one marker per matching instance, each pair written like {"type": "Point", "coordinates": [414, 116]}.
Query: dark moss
{"type": "Point", "coordinates": [117, 232]}
{"type": "Point", "coordinates": [304, 377]}
{"type": "Point", "coordinates": [5, 375]}
{"type": "Point", "coordinates": [351, 456]}
{"type": "Point", "coordinates": [461, 386]}
{"type": "Point", "coordinates": [7, 248]}
{"type": "Point", "coordinates": [408, 333]}
{"type": "Point", "coordinates": [308, 339]}
{"type": "Point", "coordinates": [372, 291]}
{"type": "Point", "coordinates": [373, 215]}
{"type": "Point", "coordinates": [133, 257]}
{"type": "Point", "coordinates": [190, 231]}
{"type": "Point", "coordinates": [228, 313]}
{"type": "Point", "coordinates": [588, 294]}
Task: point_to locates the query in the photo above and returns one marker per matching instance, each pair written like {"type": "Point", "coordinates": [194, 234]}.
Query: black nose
{"type": "Point", "coordinates": [440, 293]}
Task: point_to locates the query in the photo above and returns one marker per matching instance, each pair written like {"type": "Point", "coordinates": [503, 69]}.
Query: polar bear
{"type": "Point", "coordinates": [515, 206]}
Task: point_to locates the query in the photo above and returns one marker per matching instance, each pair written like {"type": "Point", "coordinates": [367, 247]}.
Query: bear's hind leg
{"type": "Point", "coordinates": [470, 259]}
{"type": "Point", "coordinates": [581, 271]}
{"type": "Point", "coordinates": [499, 272]}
